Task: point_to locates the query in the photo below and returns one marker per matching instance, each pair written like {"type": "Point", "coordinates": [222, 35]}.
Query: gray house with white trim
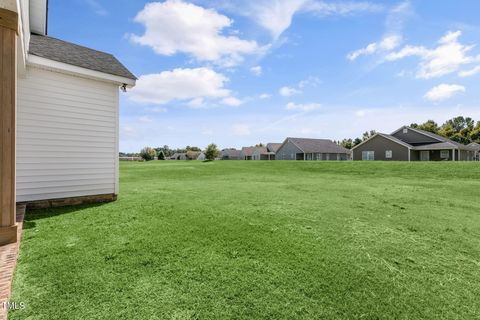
{"type": "Point", "coordinates": [412, 144]}
{"type": "Point", "coordinates": [476, 147]}
{"type": "Point", "coordinates": [311, 149]}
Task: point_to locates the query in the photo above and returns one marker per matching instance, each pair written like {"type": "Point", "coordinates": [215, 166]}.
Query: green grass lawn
{"type": "Point", "coordinates": [261, 240]}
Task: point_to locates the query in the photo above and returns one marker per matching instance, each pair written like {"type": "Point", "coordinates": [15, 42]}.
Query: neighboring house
{"type": "Point", "coordinates": [179, 156]}
{"type": "Point", "coordinates": [59, 116]}
{"type": "Point", "coordinates": [262, 153]}
{"type": "Point", "coordinates": [230, 154]}
{"type": "Point", "coordinates": [201, 157]}
{"type": "Point", "coordinates": [411, 144]}
{"type": "Point", "coordinates": [246, 153]}
{"type": "Point", "coordinates": [273, 147]}
{"type": "Point", "coordinates": [476, 148]}
{"type": "Point", "coordinates": [311, 149]}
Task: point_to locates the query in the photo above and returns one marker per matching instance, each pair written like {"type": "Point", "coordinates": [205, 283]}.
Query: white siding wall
{"type": "Point", "coordinates": [67, 131]}
{"type": "Point", "coordinates": [38, 16]}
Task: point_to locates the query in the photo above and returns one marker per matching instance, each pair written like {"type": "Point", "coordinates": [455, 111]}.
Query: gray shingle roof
{"type": "Point", "coordinates": [443, 139]}
{"type": "Point", "coordinates": [273, 147]}
{"type": "Point", "coordinates": [231, 153]}
{"type": "Point", "coordinates": [475, 145]}
{"type": "Point", "coordinates": [435, 146]}
{"type": "Point", "coordinates": [73, 54]}
{"type": "Point", "coordinates": [318, 145]}
{"type": "Point", "coordinates": [395, 139]}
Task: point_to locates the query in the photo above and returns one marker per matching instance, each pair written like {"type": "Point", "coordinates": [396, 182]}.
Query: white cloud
{"type": "Point", "coordinates": [288, 91]}
{"type": "Point", "coordinates": [443, 92]}
{"type": "Point", "coordinates": [309, 82]}
{"type": "Point", "coordinates": [157, 109]}
{"type": "Point", "coordinates": [469, 73]}
{"type": "Point", "coordinates": [257, 70]}
{"type": "Point", "coordinates": [276, 15]}
{"type": "Point", "coordinates": [241, 130]}
{"type": "Point", "coordinates": [193, 85]}
{"type": "Point", "coordinates": [145, 119]}
{"type": "Point", "coordinates": [303, 107]}
{"type": "Point", "coordinates": [232, 101]}
{"type": "Point", "coordinates": [444, 59]}
{"type": "Point", "coordinates": [97, 8]}
{"type": "Point", "coordinates": [341, 8]}
{"type": "Point", "coordinates": [265, 96]}
{"type": "Point", "coordinates": [196, 103]}
{"type": "Point", "coordinates": [388, 43]}
{"type": "Point", "coordinates": [392, 38]}
{"type": "Point", "coordinates": [175, 26]}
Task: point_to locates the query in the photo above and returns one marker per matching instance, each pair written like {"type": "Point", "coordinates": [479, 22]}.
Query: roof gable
{"type": "Point", "coordinates": [386, 136]}
{"type": "Point", "coordinates": [273, 147]}
{"type": "Point", "coordinates": [415, 136]}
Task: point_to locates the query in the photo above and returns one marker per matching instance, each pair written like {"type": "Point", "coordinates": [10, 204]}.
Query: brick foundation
{"type": "Point", "coordinates": [74, 201]}
{"type": "Point", "coordinates": [8, 261]}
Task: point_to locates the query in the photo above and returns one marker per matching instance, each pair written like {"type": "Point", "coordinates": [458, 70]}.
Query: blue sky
{"type": "Point", "coordinates": [242, 72]}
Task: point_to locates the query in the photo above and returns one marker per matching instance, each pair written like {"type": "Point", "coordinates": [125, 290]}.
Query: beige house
{"type": "Point", "coordinates": [59, 116]}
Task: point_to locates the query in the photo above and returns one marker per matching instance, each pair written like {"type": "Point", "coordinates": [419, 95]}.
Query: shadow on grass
{"type": "Point", "coordinates": [38, 214]}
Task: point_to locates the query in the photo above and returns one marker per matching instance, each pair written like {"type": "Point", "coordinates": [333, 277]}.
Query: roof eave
{"type": "Point", "coordinates": [48, 64]}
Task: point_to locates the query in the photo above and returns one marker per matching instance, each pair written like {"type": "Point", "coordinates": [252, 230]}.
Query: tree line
{"type": "Point", "coordinates": [162, 153]}
{"type": "Point", "coordinates": [460, 129]}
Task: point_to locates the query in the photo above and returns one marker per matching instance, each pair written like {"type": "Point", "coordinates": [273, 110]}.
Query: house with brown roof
{"type": "Point", "coordinates": [273, 147]}
{"type": "Point", "coordinates": [412, 144]}
{"type": "Point", "coordinates": [311, 149]}
{"type": "Point", "coordinates": [246, 153]}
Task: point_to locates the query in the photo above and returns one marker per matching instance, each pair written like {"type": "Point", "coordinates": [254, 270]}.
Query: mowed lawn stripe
{"type": "Point", "coordinates": [261, 240]}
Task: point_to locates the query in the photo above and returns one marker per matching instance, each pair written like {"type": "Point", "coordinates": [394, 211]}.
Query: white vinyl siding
{"type": "Point", "coordinates": [67, 136]}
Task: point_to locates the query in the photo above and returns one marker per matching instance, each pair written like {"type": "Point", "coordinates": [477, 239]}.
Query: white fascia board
{"type": "Point", "coordinates": [78, 71]}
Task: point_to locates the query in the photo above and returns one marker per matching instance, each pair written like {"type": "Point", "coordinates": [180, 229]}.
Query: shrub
{"type": "Point", "coordinates": [161, 155]}
{"type": "Point", "coordinates": [212, 152]}
{"type": "Point", "coordinates": [148, 153]}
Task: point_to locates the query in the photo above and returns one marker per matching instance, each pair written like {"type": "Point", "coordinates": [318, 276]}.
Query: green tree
{"type": "Point", "coordinates": [357, 141]}
{"type": "Point", "coordinates": [347, 143]}
{"type": "Point", "coordinates": [212, 152]}
{"type": "Point", "coordinates": [368, 134]}
{"type": "Point", "coordinates": [148, 153]}
{"type": "Point", "coordinates": [475, 133]}
{"type": "Point", "coordinates": [161, 155]}
{"type": "Point", "coordinates": [458, 129]}
{"type": "Point", "coordinates": [430, 126]}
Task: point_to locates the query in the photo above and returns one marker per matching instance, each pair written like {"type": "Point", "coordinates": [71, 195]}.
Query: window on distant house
{"type": "Point", "coordinates": [444, 154]}
{"type": "Point", "coordinates": [405, 130]}
{"type": "Point", "coordinates": [368, 155]}
{"type": "Point", "coordinates": [388, 154]}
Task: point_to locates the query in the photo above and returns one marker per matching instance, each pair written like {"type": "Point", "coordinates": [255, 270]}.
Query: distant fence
{"type": "Point", "coordinates": [131, 159]}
